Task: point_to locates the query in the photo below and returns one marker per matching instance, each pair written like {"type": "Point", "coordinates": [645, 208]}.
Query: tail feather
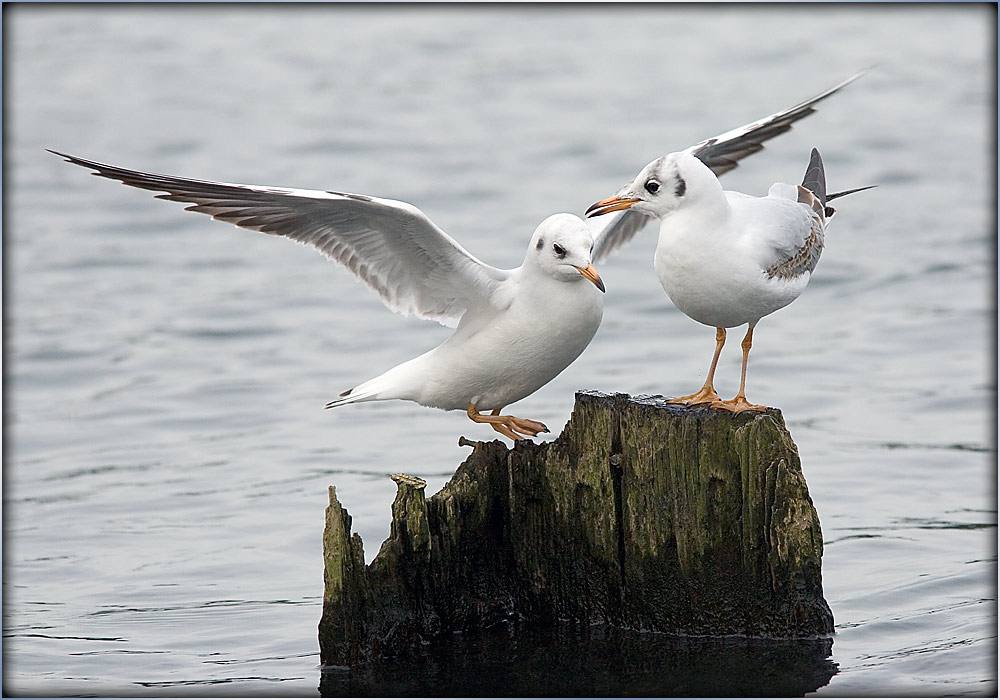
{"type": "Point", "coordinates": [354, 395]}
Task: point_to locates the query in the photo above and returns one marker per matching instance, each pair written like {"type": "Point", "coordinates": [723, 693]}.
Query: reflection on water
{"type": "Point", "coordinates": [594, 662]}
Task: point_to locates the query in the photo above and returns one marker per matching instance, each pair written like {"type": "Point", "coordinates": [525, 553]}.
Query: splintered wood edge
{"type": "Point", "coordinates": [414, 481]}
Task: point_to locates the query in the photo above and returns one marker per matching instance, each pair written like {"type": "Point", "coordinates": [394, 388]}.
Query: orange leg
{"type": "Point", "coordinates": [739, 403]}
{"type": "Point", "coordinates": [707, 392]}
{"type": "Point", "coordinates": [508, 426]}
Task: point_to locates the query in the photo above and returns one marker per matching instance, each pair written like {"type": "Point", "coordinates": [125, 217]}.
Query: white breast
{"type": "Point", "coordinates": [713, 271]}
{"type": "Point", "coordinates": [520, 350]}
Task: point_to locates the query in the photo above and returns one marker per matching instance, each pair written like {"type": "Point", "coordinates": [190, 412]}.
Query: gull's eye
{"type": "Point", "coordinates": [559, 250]}
{"type": "Point", "coordinates": [652, 186]}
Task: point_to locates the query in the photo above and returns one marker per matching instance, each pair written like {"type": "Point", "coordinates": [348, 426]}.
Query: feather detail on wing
{"type": "Point", "coordinates": [806, 257]}
{"type": "Point", "coordinates": [799, 242]}
{"type": "Point", "coordinates": [722, 153]}
{"type": "Point", "coordinates": [415, 267]}
{"type": "Point", "coordinates": [612, 231]}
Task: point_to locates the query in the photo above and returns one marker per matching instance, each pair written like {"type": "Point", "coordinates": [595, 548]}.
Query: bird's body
{"type": "Point", "coordinates": [516, 329]}
{"type": "Point", "coordinates": [713, 257]}
{"type": "Point", "coordinates": [497, 357]}
{"type": "Point", "coordinates": [728, 259]}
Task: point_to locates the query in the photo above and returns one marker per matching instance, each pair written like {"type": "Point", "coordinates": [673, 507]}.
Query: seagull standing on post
{"type": "Point", "coordinates": [725, 258]}
{"type": "Point", "coordinates": [516, 329]}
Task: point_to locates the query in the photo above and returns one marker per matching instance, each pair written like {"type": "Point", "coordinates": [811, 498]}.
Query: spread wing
{"type": "Point", "coordinates": [614, 230]}
{"type": "Point", "coordinates": [415, 267]}
{"type": "Point", "coordinates": [722, 153]}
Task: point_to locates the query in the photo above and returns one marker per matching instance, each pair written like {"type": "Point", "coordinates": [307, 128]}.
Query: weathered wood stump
{"type": "Point", "coordinates": [641, 515]}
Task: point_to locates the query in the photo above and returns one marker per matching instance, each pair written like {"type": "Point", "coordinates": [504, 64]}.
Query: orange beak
{"type": "Point", "coordinates": [606, 206]}
{"type": "Point", "coordinates": [590, 273]}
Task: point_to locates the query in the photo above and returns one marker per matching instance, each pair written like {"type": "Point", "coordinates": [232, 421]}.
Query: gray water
{"type": "Point", "coordinates": [167, 454]}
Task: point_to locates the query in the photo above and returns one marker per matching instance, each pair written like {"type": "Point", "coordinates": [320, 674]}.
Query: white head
{"type": "Point", "coordinates": [561, 247]}
{"type": "Point", "coordinates": [662, 187]}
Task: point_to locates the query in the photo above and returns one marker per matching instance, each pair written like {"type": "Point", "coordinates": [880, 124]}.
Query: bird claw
{"type": "Point", "coordinates": [516, 428]}
{"type": "Point", "coordinates": [528, 427]}
{"type": "Point", "coordinates": [739, 404]}
{"type": "Point", "coordinates": [508, 426]}
{"type": "Point", "coordinates": [702, 396]}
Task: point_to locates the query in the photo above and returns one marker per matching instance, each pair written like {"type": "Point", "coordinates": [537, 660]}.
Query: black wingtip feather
{"type": "Point", "coordinates": [844, 193]}
{"type": "Point", "coordinates": [815, 178]}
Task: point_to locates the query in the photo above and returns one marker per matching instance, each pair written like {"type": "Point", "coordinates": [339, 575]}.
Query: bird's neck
{"type": "Point", "coordinates": [704, 197]}
{"type": "Point", "coordinates": [703, 185]}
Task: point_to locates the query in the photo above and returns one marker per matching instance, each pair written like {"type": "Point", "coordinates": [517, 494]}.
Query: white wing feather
{"type": "Point", "coordinates": [415, 267]}
{"type": "Point", "coordinates": [614, 230]}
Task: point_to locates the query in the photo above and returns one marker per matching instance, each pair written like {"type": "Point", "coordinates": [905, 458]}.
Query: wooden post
{"type": "Point", "coordinates": [641, 515]}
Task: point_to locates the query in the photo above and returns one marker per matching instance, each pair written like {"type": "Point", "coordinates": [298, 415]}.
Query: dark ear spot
{"type": "Point", "coordinates": [540, 244]}
{"type": "Point", "coordinates": [681, 187]}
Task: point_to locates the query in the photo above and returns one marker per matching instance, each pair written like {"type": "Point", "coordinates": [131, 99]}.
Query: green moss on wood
{"type": "Point", "coordinates": [640, 515]}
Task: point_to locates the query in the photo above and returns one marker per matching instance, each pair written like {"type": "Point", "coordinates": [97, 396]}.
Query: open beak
{"type": "Point", "coordinates": [590, 273]}
{"type": "Point", "coordinates": [606, 206]}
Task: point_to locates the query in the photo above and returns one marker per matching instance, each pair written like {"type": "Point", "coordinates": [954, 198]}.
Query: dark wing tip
{"type": "Point", "coordinates": [844, 193]}
{"type": "Point", "coordinates": [815, 178]}
{"type": "Point", "coordinates": [100, 169]}
{"type": "Point", "coordinates": [66, 157]}
{"type": "Point", "coordinates": [722, 153]}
